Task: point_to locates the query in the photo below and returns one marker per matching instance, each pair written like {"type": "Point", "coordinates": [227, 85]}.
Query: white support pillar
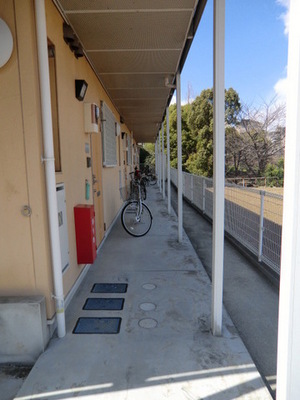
{"type": "Point", "coordinates": [163, 160]}
{"type": "Point", "coordinates": [159, 161]}
{"type": "Point", "coordinates": [179, 157]}
{"type": "Point", "coordinates": [219, 167]}
{"type": "Point", "coordinates": [288, 358]}
{"type": "Point", "coordinates": [156, 158]}
{"type": "Point", "coordinates": [168, 161]}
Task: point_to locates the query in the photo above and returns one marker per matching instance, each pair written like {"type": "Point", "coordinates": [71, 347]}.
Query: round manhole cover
{"type": "Point", "coordinates": [147, 306]}
{"type": "Point", "coordinates": [149, 286]}
{"type": "Point", "coordinates": [148, 323]}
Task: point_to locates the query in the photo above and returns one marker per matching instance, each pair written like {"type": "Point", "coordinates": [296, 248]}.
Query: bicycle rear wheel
{"type": "Point", "coordinates": [143, 190]}
{"type": "Point", "coordinates": [134, 222]}
{"type": "Point", "coordinates": [153, 180]}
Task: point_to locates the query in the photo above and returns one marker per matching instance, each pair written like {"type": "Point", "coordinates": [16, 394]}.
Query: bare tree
{"type": "Point", "coordinates": [234, 148]}
{"type": "Point", "coordinates": [190, 93]}
{"type": "Point", "coordinates": [262, 133]}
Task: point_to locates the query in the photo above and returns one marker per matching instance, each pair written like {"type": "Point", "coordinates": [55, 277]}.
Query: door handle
{"type": "Point", "coordinates": [94, 179]}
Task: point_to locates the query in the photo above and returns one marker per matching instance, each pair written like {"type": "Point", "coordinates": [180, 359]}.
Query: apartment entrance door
{"type": "Point", "coordinates": [97, 185]}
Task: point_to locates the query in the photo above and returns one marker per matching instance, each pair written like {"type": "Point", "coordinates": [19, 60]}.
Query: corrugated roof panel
{"type": "Point", "coordinates": [139, 93]}
{"type": "Point", "coordinates": [133, 46]}
{"type": "Point", "coordinates": [111, 5]}
{"type": "Point", "coordinates": [143, 30]}
{"type": "Point", "coordinates": [127, 81]}
{"type": "Point", "coordinates": [135, 61]}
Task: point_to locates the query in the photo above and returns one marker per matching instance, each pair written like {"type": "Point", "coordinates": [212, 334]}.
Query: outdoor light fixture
{"type": "Point", "coordinates": [168, 84]}
{"type": "Point", "coordinates": [191, 34]}
{"type": "Point", "coordinates": [79, 51]}
{"type": "Point", "coordinates": [75, 44]}
{"type": "Point", "coordinates": [80, 89]}
{"type": "Point", "coordinates": [68, 33]}
{"type": "Point", "coordinates": [72, 40]}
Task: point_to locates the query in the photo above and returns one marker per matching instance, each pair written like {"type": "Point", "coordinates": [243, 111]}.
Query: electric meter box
{"type": "Point", "coordinates": [91, 118]}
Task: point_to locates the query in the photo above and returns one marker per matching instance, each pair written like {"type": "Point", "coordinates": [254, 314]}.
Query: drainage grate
{"type": "Point", "coordinates": [103, 304]}
{"type": "Point", "coordinates": [109, 288]}
{"type": "Point", "coordinates": [97, 325]}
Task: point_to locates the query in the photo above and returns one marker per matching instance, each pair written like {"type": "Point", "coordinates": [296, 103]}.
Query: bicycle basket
{"type": "Point", "coordinates": [125, 193]}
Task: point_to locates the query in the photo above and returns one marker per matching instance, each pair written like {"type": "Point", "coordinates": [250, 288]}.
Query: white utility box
{"type": "Point", "coordinates": [91, 118]}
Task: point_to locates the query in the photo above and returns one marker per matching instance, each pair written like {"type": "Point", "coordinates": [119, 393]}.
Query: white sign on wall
{"type": "Point", "coordinates": [6, 43]}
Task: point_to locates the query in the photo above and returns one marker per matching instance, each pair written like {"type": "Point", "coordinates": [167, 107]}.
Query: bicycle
{"type": "Point", "coordinates": [152, 179]}
{"type": "Point", "coordinates": [135, 177]}
{"type": "Point", "coordinates": [149, 177]}
{"type": "Point", "coordinates": [136, 216]}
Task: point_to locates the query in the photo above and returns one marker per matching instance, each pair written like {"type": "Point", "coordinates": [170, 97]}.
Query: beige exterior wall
{"type": "Point", "coordinates": [24, 249]}
{"type": "Point", "coordinates": [25, 266]}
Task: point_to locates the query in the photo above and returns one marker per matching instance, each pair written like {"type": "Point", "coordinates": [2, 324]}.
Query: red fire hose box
{"type": "Point", "coordinates": [85, 230]}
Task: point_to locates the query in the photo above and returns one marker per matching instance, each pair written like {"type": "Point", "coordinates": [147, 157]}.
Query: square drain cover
{"type": "Point", "coordinates": [97, 325]}
{"type": "Point", "coordinates": [109, 288]}
{"type": "Point", "coordinates": [103, 304]}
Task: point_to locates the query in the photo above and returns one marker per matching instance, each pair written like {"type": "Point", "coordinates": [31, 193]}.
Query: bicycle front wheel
{"type": "Point", "coordinates": [137, 222]}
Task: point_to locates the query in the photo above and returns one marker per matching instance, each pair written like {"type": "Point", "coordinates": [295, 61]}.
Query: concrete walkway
{"type": "Point", "coordinates": [164, 349]}
{"type": "Point", "coordinates": [249, 297]}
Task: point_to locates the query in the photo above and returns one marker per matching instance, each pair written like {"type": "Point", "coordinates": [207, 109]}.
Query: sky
{"type": "Point", "coordinates": [256, 42]}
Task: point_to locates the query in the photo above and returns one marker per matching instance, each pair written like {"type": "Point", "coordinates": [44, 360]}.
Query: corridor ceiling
{"type": "Point", "coordinates": [134, 46]}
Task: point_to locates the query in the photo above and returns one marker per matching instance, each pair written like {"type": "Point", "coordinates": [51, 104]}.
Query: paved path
{"type": "Point", "coordinates": [164, 349]}
{"type": "Point", "coordinates": [250, 299]}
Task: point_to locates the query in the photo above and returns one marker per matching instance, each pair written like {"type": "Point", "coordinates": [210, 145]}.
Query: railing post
{"type": "Point", "coordinates": [203, 194]}
{"type": "Point", "coordinates": [192, 188]}
{"type": "Point", "coordinates": [261, 224]}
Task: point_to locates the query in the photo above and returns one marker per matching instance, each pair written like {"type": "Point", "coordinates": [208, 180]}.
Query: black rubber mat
{"type": "Point", "coordinates": [97, 325]}
{"type": "Point", "coordinates": [109, 288]}
{"type": "Point", "coordinates": [103, 304]}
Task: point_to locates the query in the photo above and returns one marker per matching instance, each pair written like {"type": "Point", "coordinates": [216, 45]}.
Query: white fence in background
{"type": "Point", "coordinates": [253, 217]}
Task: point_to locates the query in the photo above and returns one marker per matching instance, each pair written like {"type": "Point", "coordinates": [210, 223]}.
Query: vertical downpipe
{"type": "Point", "coordinates": [42, 49]}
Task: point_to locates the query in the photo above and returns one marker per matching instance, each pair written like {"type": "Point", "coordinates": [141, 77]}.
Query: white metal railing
{"type": "Point", "coordinates": [253, 217]}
